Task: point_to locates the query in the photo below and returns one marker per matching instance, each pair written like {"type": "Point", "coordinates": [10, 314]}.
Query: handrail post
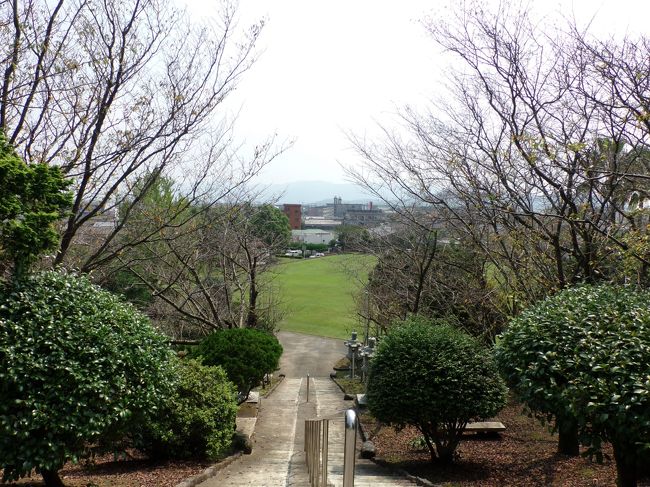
{"type": "Point", "coordinates": [325, 441]}
{"type": "Point", "coordinates": [307, 387]}
{"type": "Point", "coordinates": [350, 447]}
{"type": "Point", "coordinates": [316, 450]}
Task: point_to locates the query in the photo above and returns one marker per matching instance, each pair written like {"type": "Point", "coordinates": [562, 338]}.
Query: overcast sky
{"type": "Point", "coordinates": [328, 67]}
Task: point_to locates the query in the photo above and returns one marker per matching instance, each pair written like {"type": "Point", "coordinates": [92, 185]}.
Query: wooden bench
{"type": "Point", "coordinates": [485, 427]}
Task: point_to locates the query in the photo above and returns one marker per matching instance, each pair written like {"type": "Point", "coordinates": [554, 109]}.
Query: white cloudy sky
{"type": "Point", "coordinates": [331, 66]}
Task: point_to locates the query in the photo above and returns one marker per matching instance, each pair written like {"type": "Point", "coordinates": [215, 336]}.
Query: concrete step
{"type": "Point", "coordinates": [330, 404]}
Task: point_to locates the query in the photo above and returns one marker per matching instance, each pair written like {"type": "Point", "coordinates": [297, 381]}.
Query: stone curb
{"type": "Point", "coordinates": [385, 464]}
{"type": "Point", "coordinates": [405, 474]}
{"type": "Point", "coordinates": [210, 471]}
{"type": "Point", "coordinates": [281, 377]}
{"type": "Point", "coordinates": [214, 469]}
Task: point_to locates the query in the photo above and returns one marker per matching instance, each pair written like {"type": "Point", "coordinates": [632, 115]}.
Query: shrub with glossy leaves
{"type": "Point", "coordinates": [75, 362]}
{"type": "Point", "coordinates": [32, 198]}
{"type": "Point", "coordinates": [198, 419]}
{"type": "Point", "coordinates": [584, 354]}
{"type": "Point", "coordinates": [245, 354]}
{"type": "Point", "coordinates": [436, 378]}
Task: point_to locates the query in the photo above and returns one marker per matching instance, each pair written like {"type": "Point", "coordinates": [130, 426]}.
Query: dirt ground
{"type": "Point", "coordinates": [524, 455]}
{"type": "Point", "coordinates": [136, 471]}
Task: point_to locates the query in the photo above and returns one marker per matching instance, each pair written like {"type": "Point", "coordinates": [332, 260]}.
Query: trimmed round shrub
{"type": "Point", "coordinates": [582, 357]}
{"type": "Point", "coordinates": [75, 362]}
{"type": "Point", "coordinates": [198, 419]}
{"type": "Point", "coordinates": [244, 353]}
{"type": "Point", "coordinates": [435, 377]}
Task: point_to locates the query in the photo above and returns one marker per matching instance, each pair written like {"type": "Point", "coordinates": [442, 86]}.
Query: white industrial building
{"type": "Point", "coordinates": [313, 236]}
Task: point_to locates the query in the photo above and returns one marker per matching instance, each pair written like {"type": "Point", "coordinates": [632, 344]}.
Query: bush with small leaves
{"type": "Point", "coordinates": [75, 363]}
{"type": "Point", "coordinates": [435, 377]}
{"type": "Point", "coordinates": [582, 357]}
{"type": "Point", "coordinates": [32, 198]}
{"type": "Point", "coordinates": [197, 420]}
{"type": "Point", "coordinates": [245, 354]}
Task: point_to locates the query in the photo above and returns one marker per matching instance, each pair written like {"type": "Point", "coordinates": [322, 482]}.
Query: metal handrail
{"type": "Point", "coordinates": [316, 446]}
{"type": "Point", "coordinates": [350, 447]}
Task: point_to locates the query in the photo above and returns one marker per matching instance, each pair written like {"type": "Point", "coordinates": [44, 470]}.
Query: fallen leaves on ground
{"type": "Point", "coordinates": [134, 471]}
{"type": "Point", "coordinates": [524, 455]}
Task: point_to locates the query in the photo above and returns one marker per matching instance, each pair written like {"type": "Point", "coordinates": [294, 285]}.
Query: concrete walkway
{"type": "Point", "coordinates": [330, 404]}
{"type": "Point", "coordinates": [278, 459]}
{"type": "Point", "coordinates": [273, 447]}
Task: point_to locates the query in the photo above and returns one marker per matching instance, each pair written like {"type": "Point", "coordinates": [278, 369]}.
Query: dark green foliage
{"type": "Point", "coordinates": [353, 238]}
{"type": "Point", "coordinates": [317, 247]}
{"type": "Point", "coordinates": [584, 354]}
{"type": "Point", "coordinates": [271, 225]}
{"type": "Point", "coordinates": [436, 378]}
{"type": "Point", "coordinates": [198, 419]}
{"type": "Point", "coordinates": [126, 284]}
{"type": "Point", "coordinates": [245, 354]}
{"type": "Point", "coordinates": [309, 246]}
{"type": "Point", "coordinates": [75, 362]}
{"type": "Point", "coordinates": [32, 198]}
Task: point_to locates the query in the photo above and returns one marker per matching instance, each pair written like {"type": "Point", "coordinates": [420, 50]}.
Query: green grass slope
{"type": "Point", "coordinates": [317, 294]}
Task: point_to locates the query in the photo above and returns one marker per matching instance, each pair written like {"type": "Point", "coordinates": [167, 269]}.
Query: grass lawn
{"type": "Point", "coordinates": [317, 294]}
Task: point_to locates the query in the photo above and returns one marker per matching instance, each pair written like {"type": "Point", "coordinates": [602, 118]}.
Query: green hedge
{"type": "Point", "coordinates": [245, 354]}
{"type": "Point", "coordinates": [198, 419]}
{"type": "Point", "coordinates": [75, 363]}
{"type": "Point", "coordinates": [582, 359]}
{"type": "Point", "coordinates": [436, 378]}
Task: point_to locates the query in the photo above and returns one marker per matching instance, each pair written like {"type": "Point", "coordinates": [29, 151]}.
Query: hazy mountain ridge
{"type": "Point", "coordinates": [315, 192]}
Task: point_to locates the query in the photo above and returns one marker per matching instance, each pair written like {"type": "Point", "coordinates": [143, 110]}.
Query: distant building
{"type": "Point", "coordinates": [312, 210]}
{"type": "Point", "coordinates": [313, 236]}
{"type": "Point", "coordinates": [366, 217]}
{"type": "Point", "coordinates": [294, 213]}
{"type": "Point", "coordinates": [332, 215]}
{"type": "Point", "coordinates": [316, 222]}
{"type": "Point", "coordinates": [338, 209]}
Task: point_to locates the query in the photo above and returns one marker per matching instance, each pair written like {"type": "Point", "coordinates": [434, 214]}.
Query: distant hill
{"type": "Point", "coordinates": [315, 192]}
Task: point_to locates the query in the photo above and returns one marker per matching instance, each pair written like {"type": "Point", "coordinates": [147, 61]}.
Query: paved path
{"type": "Point", "coordinates": [277, 459]}
{"type": "Point", "coordinates": [330, 404]}
{"type": "Point", "coordinates": [307, 354]}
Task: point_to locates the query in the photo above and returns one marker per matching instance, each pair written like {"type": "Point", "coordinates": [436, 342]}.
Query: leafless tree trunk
{"type": "Point", "coordinates": [204, 273]}
{"type": "Point", "coordinates": [119, 94]}
{"type": "Point", "coordinates": [534, 157]}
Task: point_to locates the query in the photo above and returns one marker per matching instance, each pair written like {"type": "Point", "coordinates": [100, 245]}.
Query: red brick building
{"type": "Point", "coordinates": [294, 213]}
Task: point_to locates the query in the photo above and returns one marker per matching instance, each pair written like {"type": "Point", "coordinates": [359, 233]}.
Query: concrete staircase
{"type": "Point", "coordinates": [268, 465]}
{"type": "Point", "coordinates": [330, 404]}
{"type": "Point", "coordinates": [278, 459]}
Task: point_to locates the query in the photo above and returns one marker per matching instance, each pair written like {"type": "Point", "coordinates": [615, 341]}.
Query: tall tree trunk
{"type": "Point", "coordinates": [626, 465]}
{"type": "Point", "coordinates": [568, 443]}
{"type": "Point", "coordinates": [251, 320]}
{"type": "Point", "coordinates": [51, 478]}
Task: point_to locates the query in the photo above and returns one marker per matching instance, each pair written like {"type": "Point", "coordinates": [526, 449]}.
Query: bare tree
{"type": "Point", "coordinates": [535, 155]}
{"type": "Point", "coordinates": [530, 161]}
{"type": "Point", "coordinates": [118, 94]}
{"type": "Point", "coordinates": [535, 141]}
{"type": "Point", "coordinates": [423, 268]}
{"type": "Point", "coordinates": [208, 269]}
